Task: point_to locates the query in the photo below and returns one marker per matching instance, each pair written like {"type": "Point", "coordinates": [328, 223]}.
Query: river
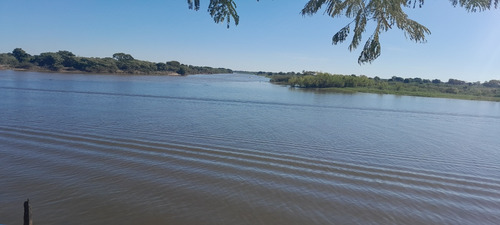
{"type": "Point", "coordinates": [235, 149]}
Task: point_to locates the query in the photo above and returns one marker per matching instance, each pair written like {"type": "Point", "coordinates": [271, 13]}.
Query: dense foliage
{"type": "Point", "coordinates": [282, 77]}
{"type": "Point", "coordinates": [119, 63]}
{"type": "Point", "coordinates": [453, 88]}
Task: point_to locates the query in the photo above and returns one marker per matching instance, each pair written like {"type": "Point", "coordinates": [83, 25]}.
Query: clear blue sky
{"type": "Point", "coordinates": [271, 36]}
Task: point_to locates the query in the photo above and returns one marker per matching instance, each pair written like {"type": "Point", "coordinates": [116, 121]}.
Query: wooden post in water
{"type": "Point", "coordinates": [28, 220]}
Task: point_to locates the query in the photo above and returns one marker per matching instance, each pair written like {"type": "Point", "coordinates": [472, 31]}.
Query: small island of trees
{"type": "Point", "coordinates": [119, 63]}
{"type": "Point", "coordinates": [453, 88]}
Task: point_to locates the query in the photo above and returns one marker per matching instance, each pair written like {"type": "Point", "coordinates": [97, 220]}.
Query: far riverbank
{"type": "Point", "coordinates": [120, 63]}
{"type": "Point", "coordinates": [72, 71]}
{"type": "Point", "coordinates": [453, 88]}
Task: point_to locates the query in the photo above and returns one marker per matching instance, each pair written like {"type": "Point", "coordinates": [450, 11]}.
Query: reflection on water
{"type": "Point", "coordinates": [234, 149]}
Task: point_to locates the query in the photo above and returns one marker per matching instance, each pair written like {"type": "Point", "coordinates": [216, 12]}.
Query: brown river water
{"type": "Point", "coordinates": [235, 149]}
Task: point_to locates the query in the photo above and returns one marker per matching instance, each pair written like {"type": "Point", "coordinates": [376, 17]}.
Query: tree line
{"type": "Point", "coordinates": [119, 63]}
{"type": "Point", "coordinates": [454, 88]}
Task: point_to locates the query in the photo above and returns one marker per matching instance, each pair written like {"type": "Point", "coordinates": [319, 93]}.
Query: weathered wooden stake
{"type": "Point", "coordinates": [28, 220]}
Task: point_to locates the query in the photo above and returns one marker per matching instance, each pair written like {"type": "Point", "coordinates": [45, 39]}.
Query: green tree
{"type": "Point", "coordinates": [68, 58]}
{"type": "Point", "coordinates": [492, 83]}
{"type": "Point", "coordinates": [436, 81]}
{"type": "Point", "coordinates": [65, 54]}
{"type": "Point", "coordinates": [122, 57]}
{"type": "Point", "coordinates": [182, 71]}
{"type": "Point", "coordinates": [396, 79]}
{"type": "Point", "coordinates": [20, 55]}
{"type": "Point", "coordinates": [161, 66]}
{"type": "Point", "coordinates": [174, 64]}
{"type": "Point", "coordinates": [49, 60]}
{"type": "Point", "coordinates": [96, 65]}
{"type": "Point", "coordinates": [456, 82]}
{"type": "Point", "coordinates": [8, 59]}
{"type": "Point", "coordinates": [384, 14]}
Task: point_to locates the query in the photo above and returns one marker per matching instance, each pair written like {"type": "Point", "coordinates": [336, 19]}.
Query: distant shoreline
{"type": "Point", "coordinates": [452, 89]}
{"type": "Point", "coordinates": [404, 93]}
{"type": "Point", "coordinates": [69, 71]}
{"type": "Point", "coordinates": [120, 63]}
{"type": "Point", "coordinates": [422, 92]}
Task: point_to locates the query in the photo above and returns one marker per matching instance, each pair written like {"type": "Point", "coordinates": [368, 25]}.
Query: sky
{"type": "Point", "coordinates": [271, 36]}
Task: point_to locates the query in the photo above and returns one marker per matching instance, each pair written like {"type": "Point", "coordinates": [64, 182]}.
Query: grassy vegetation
{"type": "Point", "coordinates": [457, 89]}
